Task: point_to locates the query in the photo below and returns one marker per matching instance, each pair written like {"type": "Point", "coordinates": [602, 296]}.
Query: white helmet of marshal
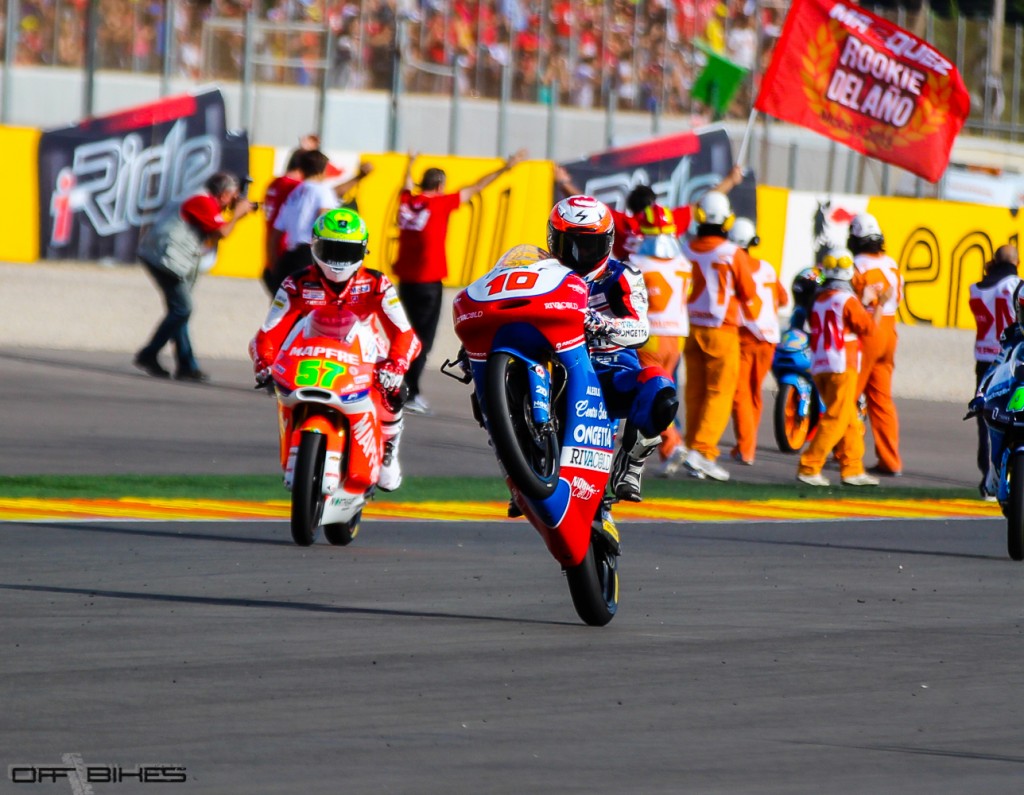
{"type": "Point", "coordinates": [714, 209]}
{"type": "Point", "coordinates": [864, 227]}
{"type": "Point", "coordinates": [837, 263]}
{"type": "Point", "coordinates": [744, 233]}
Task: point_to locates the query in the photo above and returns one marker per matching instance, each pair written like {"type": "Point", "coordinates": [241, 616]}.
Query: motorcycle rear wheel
{"type": "Point", "coordinates": [594, 585]}
{"type": "Point", "coordinates": [528, 454]}
{"type": "Point", "coordinates": [307, 488]}
{"type": "Point", "coordinates": [791, 430]}
{"type": "Point", "coordinates": [341, 534]}
{"type": "Point", "coordinates": [1015, 509]}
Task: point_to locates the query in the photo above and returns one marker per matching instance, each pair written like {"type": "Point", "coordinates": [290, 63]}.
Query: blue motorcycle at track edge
{"type": "Point", "coordinates": [797, 403]}
{"type": "Point", "coordinates": [1001, 404]}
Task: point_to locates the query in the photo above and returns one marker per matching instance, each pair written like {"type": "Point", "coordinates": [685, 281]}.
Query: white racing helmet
{"type": "Point", "coordinates": [744, 233]}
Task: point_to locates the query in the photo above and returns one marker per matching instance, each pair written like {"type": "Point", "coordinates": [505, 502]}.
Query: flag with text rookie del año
{"type": "Point", "coordinates": [859, 79]}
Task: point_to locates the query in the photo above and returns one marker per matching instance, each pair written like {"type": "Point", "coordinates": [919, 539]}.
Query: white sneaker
{"type": "Point", "coordinates": [418, 405]}
{"type": "Point", "coordinates": [705, 467]}
{"type": "Point", "coordinates": [863, 479]}
{"type": "Point", "coordinates": [816, 479]}
{"type": "Point", "coordinates": [673, 463]}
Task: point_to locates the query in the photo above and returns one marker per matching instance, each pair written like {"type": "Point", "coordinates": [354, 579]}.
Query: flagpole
{"type": "Point", "coordinates": [742, 156]}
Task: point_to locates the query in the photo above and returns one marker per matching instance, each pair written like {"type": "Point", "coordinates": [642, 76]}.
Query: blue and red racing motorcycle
{"type": "Point", "coordinates": [539, 399]}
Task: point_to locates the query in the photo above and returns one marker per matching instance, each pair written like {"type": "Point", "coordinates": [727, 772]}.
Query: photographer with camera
{"type": "Point", "coordinates": [181, 244]}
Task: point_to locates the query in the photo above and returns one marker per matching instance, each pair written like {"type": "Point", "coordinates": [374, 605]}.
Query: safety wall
{"type": "Point", "coordinates": [941, 247]}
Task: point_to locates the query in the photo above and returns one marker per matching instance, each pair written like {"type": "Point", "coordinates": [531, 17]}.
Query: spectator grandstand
{"type": "Point", "coordinates": [637, 55]}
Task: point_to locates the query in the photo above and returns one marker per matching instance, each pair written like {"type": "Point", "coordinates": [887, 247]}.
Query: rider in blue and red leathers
{"type": "Point", "coordinates": [580, 236]}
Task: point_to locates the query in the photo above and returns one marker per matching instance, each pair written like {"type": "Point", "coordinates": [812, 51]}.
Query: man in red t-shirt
{"type": "Point", "coordinates": [277, 192]}
{"type": "Point", "coordinates": [422, 264]}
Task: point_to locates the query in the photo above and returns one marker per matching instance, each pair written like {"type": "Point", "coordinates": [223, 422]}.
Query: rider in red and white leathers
{"type": "Point", "coordinates": [370, 295]}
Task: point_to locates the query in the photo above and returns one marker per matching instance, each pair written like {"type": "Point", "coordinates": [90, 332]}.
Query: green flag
{"type": "Point", "coordinates": [719, 81]}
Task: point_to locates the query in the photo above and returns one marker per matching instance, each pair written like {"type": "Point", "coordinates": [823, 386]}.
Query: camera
{"type": "Point", "coordinates": [243, 192]}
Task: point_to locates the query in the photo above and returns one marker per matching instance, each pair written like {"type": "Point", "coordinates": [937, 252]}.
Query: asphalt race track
{"type": "Point", "coordinates": [445, 657]}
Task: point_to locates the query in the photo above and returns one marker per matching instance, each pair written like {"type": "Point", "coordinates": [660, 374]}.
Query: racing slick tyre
{"type": "Point", "coordinates": [528, 453]}
{"type": "Point", "coordinates": [307, 488]}
{"type": "Point", "coordinates": [791, 430]}
{"type": "Point", "coordinates": [594, 585]}
{"type": "Point", "coordinates": [341, 533]}
{"type": "Point", "coordinates": [1015, 508]}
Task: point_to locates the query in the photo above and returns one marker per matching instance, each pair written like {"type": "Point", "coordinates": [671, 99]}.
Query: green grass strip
{"type": "Point", "coordinates": [259, 488]}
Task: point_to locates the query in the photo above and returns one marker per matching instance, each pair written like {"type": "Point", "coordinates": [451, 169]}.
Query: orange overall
{"type": "Point", "coordinates": [878, 355]}
{"type": "Point", "coordinates": [721, 282]}
{"type": "Point", "coordinates": [837, 320]}
{"type": "Point", "coordinates": [755, 362]}
{"type": "Point", "coordinates": [758, 338]}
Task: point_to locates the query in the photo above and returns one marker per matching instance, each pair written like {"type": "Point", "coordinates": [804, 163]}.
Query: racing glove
{"type": "Point", "coordinates": [597, 326]}
{"type": "Point", "coordinates": [264, 379]}
{"type": "Point", "coordinates": [390, 376]}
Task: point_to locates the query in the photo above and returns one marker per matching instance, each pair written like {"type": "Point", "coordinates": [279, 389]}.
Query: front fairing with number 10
{"type": "Point", "coordinates": [533, 308]}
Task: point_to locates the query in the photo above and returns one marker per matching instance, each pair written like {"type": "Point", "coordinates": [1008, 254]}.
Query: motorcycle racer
{"type": "Point", "coordinates": [337, 276]}
{"type": "Point", "coordinates": [1012, 351]}
{"type": "Point", "coordinates": [580, 236]}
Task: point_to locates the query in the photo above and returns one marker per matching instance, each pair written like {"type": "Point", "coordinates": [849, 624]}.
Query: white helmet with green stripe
{"type": "Point", "coordinates": [339, 243]}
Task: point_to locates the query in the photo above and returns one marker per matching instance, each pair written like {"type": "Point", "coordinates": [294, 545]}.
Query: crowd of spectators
{"type": "Point", "coordinates": [581, 53]}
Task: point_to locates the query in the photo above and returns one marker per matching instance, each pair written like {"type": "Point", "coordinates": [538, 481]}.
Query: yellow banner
{"type": "Point", "coordinates": [513, 209]}
{"type": "Point", "coordinates": [19, 201]}
{"type": "Point", "coordinates": [242, 252]}
{"type": "Point", "coordinates": [941, 248]}
{"type": "Point", "coordinates": [771, 222]}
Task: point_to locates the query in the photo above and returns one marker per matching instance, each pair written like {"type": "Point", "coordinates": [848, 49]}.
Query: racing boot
{"type": "Point", "coordinates": [628, 466]}
{"type": "Point", "coordinates": [390, 477]}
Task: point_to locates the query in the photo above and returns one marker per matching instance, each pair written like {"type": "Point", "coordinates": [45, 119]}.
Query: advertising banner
{"type": "Point", "coordinates": [102, 180]}
{"type": "Point", "coordinates": [679, 168]}
{"type": "Point", "coordinates": [941, 247]}
{"type": "Point", "coordinates": [857, 78]}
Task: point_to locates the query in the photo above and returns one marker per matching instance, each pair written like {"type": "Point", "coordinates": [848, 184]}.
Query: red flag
{"type": "Point", "coordinates": [853, 76]}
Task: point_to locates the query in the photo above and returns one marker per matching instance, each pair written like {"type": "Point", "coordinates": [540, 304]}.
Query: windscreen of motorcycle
{"type": "Point", "coordinates": [541, 293]}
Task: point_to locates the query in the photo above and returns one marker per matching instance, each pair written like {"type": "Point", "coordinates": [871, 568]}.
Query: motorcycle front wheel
{"type": "Point", "coordinates": [307, 488]}
{"type": "Point", "coordinates": [528, 453]}
{"type": "Point", "coordinates": [594, 585]}
{"type": "Point", "coordinates": [341, 534]}
{"type": "Point", "coordinates": [1015, 508]}
{"type": "Point", "coordinates": [793, 429]}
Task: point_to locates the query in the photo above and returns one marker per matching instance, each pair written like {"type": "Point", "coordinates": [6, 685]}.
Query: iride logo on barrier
{"type": "Point", "coordinates": [119, 183]}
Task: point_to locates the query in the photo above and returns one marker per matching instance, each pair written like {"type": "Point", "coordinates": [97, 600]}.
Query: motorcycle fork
{"type": "Point", "coordinates": [539, 380]}
{"type": "Point", "coordinates": [803, 388]}
{"type": "Point", "coordinates": [335, 431]}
